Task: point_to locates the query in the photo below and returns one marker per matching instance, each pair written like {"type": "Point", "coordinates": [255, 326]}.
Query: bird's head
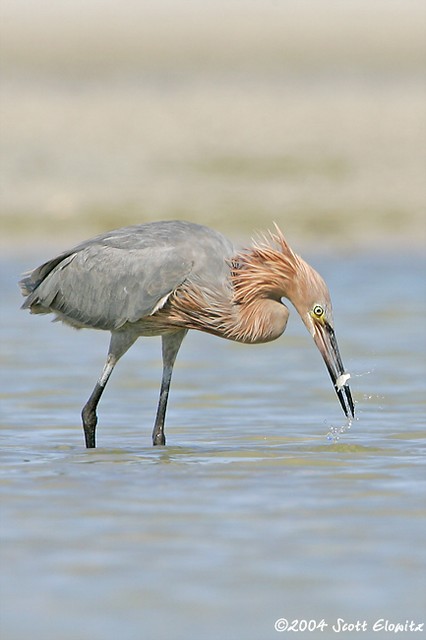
{"type": "Point", "coordinates": [291, 277]}
{"type": "Point", "coordinates": [312, 300]}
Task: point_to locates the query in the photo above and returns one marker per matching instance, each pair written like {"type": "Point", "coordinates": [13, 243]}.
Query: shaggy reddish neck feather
{"type": "Point", "coordinates": [248, 309]}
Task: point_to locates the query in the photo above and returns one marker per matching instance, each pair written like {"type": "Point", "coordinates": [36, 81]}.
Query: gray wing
{"type": "Point", "coordinates": [102, 286]}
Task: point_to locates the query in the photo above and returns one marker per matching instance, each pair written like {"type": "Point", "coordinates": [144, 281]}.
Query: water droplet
{"type": "Point", "coordinates": [334, 433]}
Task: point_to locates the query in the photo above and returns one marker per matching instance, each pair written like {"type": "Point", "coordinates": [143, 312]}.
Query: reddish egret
{"type": "Point", "coordinates": [163, 278]}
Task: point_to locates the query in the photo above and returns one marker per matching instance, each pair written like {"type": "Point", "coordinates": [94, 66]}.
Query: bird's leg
{"type": "Point", "coordinates": [170, 345]}
{"type": "Point", "coordinates": [120, 342]}
{"type": "Point", "coordinates": [88, 414]}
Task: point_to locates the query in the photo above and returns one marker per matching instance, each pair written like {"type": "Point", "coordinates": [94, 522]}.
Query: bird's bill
{"type": "Point", "coordinates": [326, 342]}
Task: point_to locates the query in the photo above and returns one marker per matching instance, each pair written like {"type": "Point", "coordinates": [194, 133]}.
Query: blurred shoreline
{"type": "Point", "coordinates": [234, 116]}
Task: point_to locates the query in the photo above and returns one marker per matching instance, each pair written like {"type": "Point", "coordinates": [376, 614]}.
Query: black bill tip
{"type": "Point", "coordinates": [346, 401]}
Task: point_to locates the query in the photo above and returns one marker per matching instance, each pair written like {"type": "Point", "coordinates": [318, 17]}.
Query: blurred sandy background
{"type": "Point", "coordinates": [311, 113]}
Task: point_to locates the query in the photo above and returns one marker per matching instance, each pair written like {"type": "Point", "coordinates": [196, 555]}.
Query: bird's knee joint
{"type": "Point", "coordinates": [89, 417]}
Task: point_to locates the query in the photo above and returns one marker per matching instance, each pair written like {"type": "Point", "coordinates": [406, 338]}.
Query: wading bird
{"type": "Point", "coordinates": [164, 278]}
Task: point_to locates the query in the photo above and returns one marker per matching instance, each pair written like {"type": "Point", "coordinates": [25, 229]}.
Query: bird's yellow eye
{"type": "Point", "coordinates": [318, 311]}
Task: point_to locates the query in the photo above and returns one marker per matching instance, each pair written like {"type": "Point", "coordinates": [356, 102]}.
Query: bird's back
{"type": "Point", "coordinates": [126, 274]}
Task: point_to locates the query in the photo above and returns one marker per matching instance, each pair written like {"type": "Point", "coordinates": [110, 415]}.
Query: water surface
{"type": "Point", "coordinates": [250, 513]}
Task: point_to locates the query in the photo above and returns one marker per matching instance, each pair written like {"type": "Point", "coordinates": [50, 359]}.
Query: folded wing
{"type": "Point", "coordinates": [102, 286]}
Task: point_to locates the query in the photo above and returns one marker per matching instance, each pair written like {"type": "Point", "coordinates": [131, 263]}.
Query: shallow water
{"type": "Point", "coordinates": [250, 513]}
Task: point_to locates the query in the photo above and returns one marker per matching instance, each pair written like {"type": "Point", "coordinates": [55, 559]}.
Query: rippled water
{"type": "Point", "coordinates": [250, 513]}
